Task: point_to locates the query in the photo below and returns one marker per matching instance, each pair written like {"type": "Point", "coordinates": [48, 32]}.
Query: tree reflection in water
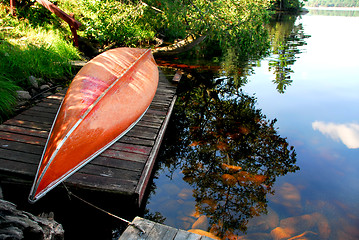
{"type": "Point", "coordinates": [286, 38]}
{"type": "Point", "coordinates": [227, 150]}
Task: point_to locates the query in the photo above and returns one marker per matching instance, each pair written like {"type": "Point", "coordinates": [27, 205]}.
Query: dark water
{"type": "Point", "coordinates": [278, 157]}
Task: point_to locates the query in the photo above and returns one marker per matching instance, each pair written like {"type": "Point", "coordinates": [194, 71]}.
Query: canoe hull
{"type": "Point", "coordinates": [105, 100]}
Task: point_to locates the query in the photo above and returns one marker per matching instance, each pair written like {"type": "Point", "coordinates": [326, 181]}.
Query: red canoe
{"type": "Point", "coordinates": [107, 97]}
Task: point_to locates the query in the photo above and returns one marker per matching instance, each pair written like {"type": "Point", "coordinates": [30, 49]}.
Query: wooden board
{"type": "Point", "coordinates": [124, 168]}
{"type": "Point", "coordinates": [153, 231]}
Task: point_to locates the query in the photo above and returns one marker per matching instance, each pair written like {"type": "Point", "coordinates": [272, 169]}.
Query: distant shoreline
{"type": "Point", "coordinates": [333, 8]}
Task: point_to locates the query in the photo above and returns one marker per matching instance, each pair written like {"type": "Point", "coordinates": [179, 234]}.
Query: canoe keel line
{"type": "Point", "coordinates": [107, 97]}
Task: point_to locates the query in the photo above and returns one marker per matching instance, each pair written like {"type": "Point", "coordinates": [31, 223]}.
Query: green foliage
{"type": "Point", "coordinates": [37, 15]}
{"type": "Point", "coordinates": [169, 18]}
{"type": "Point", "coordinates": [287, 5]}
{"type": "Point", "coordinates": [27, 50]}
{"type": "Point", "coordinates": [7, 97]}
{"type": "Point", "coordinates": [115, 22]}
{"type": "Point", "coordinates": [227, 22]}
{"type": "Point", "coordinates": [235, 30]}
{"type": "Point", "coordinates": [19, 60]}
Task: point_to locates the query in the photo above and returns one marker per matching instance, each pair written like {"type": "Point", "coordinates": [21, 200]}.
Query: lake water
{"type": "Point", "coordinates": [317, 113]}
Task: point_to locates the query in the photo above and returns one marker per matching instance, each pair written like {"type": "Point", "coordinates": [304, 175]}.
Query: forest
{"type": "Point", "coordinates": [33, 32]}
{"type": "Point", "coordinates": [332, 3]}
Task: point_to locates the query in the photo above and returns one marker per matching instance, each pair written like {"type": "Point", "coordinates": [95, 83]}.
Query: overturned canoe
{"type": "Point", "coordinates": [107, 97]}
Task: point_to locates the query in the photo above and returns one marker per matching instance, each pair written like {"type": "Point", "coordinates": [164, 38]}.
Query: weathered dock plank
{"type": "Point", "coordinates": [124, 168]}
{"type": "Point", "coordinates": [157, 231]}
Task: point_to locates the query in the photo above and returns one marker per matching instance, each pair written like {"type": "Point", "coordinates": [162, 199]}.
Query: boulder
{"type": "Point", "coordinates": [289, 197]}
{"type": "Point", "coordinates": [202, 223]}
{"type": "Point", "coordinates": [306, 226]}
{"type": "Point", "coordinates": [16, 224]}
{"type": "Point", "coordinates": [203, 233]}
{"type": "Point", "coordinates": [44, 87]}
{"type": "Point", "coordinates": [264, 222]}
{"type": "Point", "coordinates": [34, 81]}
{"type": "Point", "coordinates": [256, 236]}
{"type": "Point", "coordinates": [23, 95]}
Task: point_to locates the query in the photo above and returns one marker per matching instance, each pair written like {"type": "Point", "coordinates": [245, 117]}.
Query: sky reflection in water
{"type": "Point", "coordinates": [318, 114]}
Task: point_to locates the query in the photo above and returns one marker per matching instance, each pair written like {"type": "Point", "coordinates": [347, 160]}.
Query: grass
{"type": "Point", "coordinates": [7, 97]}
{"type": "Point", "coordinates": [30, 49]}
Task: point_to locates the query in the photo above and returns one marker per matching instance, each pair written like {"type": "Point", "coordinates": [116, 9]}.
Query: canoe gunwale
{"type": "Point", "coordinates": [31, 197]}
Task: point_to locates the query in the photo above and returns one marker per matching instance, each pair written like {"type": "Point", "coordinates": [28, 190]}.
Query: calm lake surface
{"type": "Point", "coordinates": [317, 113]}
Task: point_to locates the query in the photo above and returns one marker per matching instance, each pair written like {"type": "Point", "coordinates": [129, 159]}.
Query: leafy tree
{"type": "Point", "coordinates": [228, 22]}
{"type": "Point", "coordinates": [127, 23]}
{"type": "Point", "coordinates": [287, 5]}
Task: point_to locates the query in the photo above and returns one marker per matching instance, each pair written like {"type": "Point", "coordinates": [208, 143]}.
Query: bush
{"type": "Point", "coordinates": [115, 22]}
{"type": "Point", "coordinates": [30, 50]}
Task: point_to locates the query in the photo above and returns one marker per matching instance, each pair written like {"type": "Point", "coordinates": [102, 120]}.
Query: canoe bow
{"type": "Point", "coordinates": [107, 97]}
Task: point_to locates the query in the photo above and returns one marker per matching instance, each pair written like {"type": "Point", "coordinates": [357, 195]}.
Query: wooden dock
{"type": "Point", "coordinates": [125, 168]}
{"type": "Point", "coordinates": [156, 231]}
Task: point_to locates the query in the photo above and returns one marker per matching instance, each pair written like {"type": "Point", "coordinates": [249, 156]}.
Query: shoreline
{"type": "Point", "coordinates": [333, 8]}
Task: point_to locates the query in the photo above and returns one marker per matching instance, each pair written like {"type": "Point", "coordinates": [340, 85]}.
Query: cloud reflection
{"type": "Point", "coordinates": [347, 133]}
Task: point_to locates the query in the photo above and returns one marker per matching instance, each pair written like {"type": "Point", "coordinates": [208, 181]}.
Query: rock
{"type": "Point", "coordinates": [348, 228]}
{"type": "Point", "coordinates": [256, 236]}
{"type": "Point", "coordinates": [34, 91]}
{"type": "Point", "coordinates": [279, 233]}
{"type": "Point", "coordinates": [44, 87]}
{"type": "Point", "coordinates": [289, 196]}
{"type": "Point", "coordinates": [201, 223]}
{"type": "Point", "coordinates": [264, 222]}
{"type": "Point", "coordinates": [23, 95]}
{"type": "Point", "coordinates": [16, 224]}
{"type": "Point", "coordinates": [34, 81]}
{"type": "Point", "coordinates": [307, 226]}
{"type": "Point", "coordinates": [20, 104]}
{"type": "Point", "coordinates": [203, 233]}
{"type": "Point", "coordinates": [186, 222]}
